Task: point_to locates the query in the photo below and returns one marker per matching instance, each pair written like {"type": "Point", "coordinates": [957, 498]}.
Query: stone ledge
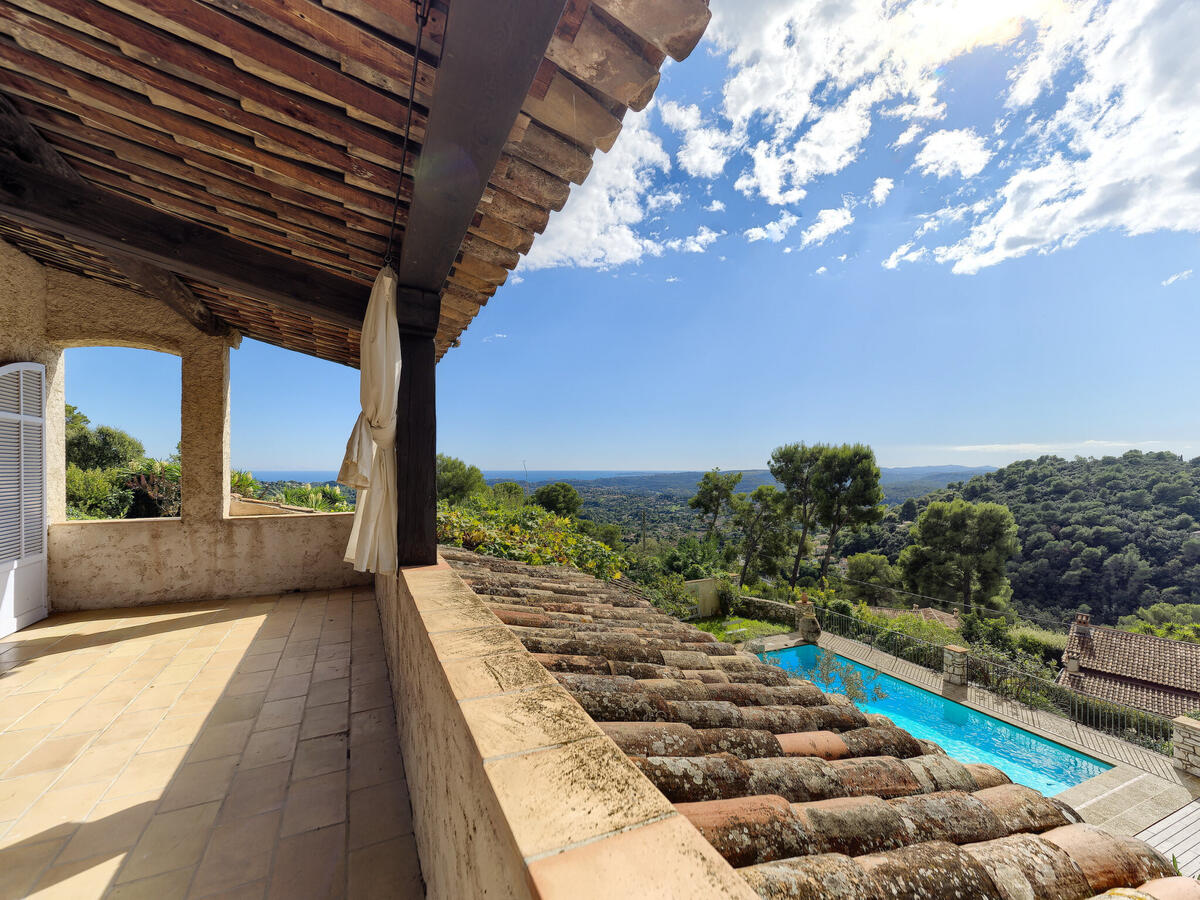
{"type": "Point", "coordinates": [516, 792]}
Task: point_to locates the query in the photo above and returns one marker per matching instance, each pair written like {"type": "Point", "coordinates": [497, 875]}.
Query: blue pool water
{"type": "Point", "coordinates": [965, 734]}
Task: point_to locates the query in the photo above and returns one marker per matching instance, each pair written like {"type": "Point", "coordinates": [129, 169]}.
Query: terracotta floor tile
{"type": "Point", "coordinates": [331, 691]}
{"type": "Point", "coordinates": [295, 665]}
{"type": "Point", "coordinates": [388, 869]}
{"type": "Point", "coordinates": [373, 670]}
{"type": "Point", "coordinates": [168, 886]}
{"type": "Point", "coordinates": [56, 814]}
{"type": "Point", "coordinates": [52, 753]}
{"type": "Point", "coordinates": [51, 713]}
{"type": "Point", "coordinates": [315, 803]}
{"type": "Point", "coordinates": [23, 865]}
{"type": "Point", "coordinates": [130, 726]}
{"type": "Point", "coordinates": [80, 880]}
{"type": "Point", "coordinates": [319, 756]}
{"type": "Point", "coordinates": [267, 645]}
{"type": "Point", "coordinates": [256, 791]}
{"type": "Point", "coordinates": [373, 725]}
{"type": "Point", "coordinates": [370, 695]}
{"type": "Point", "coordinates": [236, 709]}
{"type": "Point", "coordinates": [92, 717]}
{"type": "Point", "coordinates": [280, 713]}
{"type": "Point", "coordinates": [156, 696]}
{"type": "Point", "coordinates": [267, 747]}
{"type": "Point", "coordinates": [375, 763]}
{"type": "Point", "coordinates": [174, 732]}
{"type": "Point", "coordinates": [177, 674]}
{"type": "Point", "coordinates": [379, 813]}
{"type": "Point", "coordinates": [239, 853]}
{"type": "Point", "coordinates": [288, 686]}
{"type": "Point", "coordinates": [199, 782]}
{"type": "Point", "coordinates": [299, 647]}
{"type": "Point", "coordinates": [118, 691]}
{"type": "Point", "coordinates": [260, 662]}
{"type": "Point", "coordinates": [320, 720]}
{"type": "Point", "coordinates": [216, 741]}
{"type": "Point", "coordinates": [15, 744]}
{"type": "Point", "coordinates": [112, 827]}
{"type": "Point", "coordinates": [100, 762]}
{"type": "Point", "coordinates": [249, 683]}
{"type": "Point", "coordinates": [14, 706]}
{"type": "Point", "coordinates": [311, 865]}
{"type": "Point", "coordinates": [172, 840]}
{"type": "Point", "coordinates": [147, 772]}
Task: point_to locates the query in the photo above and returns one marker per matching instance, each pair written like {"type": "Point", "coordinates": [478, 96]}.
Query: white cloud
{"type": "Point", "coordinates": [821, 270]}
{"type": "Point", "coordinates": [696, 243]}
{"type": "Point", "coordinates": [828, 223]}
{"type": "Point", "coordinates": [881, 189]}
{"type": "Point", "coordinates": [945, 153]}
{"type": "Point", "coordinates": [715, 206]}
{"type": "Point", "coordinates": [665, 200]}
{"type": "Point", "coordinates": [908, 135]}
{"type": "Point", "coordinates": [671, 279]}
{"type": "Point", "coordinates": [1119, 153]}
{"type": "Point", "coordinates": [904, 253]}
{"type": "Point", "coordinates": [598, 226]}
{"type": "Point", "coordinates": [773, 231]}
{"type": "Point", "coordinates": [1178, 276]}
{"type": "Point", "coordinates": [494, 337]}
{"type": "Point", "coordinates": [705, 148]}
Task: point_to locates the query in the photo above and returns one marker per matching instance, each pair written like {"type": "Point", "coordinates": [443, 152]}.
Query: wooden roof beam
{"type": "Point", "coordinates": [19, 140]}
{"type": "Point", "coordinates": [114, 223]}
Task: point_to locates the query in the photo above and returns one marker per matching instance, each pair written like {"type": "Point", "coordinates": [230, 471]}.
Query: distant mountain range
{"type": "Point", "coordinates": [899, 483]}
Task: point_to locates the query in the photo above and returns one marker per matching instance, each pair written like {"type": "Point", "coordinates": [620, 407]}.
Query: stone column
{"type": "Point", "coordinates": [204, 431]}
{"type": "Point", "coordinates": [1186, 741]}
{"type": "Point", "coordinates": [954, 666]}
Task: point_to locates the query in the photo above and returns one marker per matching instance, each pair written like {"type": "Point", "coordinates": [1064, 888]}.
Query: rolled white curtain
{"type": "Point", "coordinates": [370, 462]}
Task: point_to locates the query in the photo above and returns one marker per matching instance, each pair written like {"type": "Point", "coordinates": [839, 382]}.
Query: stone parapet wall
{"type": "Point", "coordinates": [516, 792]}
{"type": "Point", "coordinates": [768, 610]}
{"type": "Point", "coordinates": [1186, 741]}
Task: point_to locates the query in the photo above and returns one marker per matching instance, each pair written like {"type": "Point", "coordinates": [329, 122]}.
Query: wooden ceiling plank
{"type": "Point", "coordinates": [548, 151]}
{"type": "Point", "coordinates": [19, 141]}
{"type": "Point", "coordinates": [110, 221]}
{"type": "Point", "coordinates": [174, 93]}
{"type": "Point", "coordinates": [570, 110]}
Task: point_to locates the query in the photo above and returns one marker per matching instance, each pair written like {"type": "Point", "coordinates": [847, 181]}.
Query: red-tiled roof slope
{"type": "Point", "coordinates": [805, 795]}
{"type": "Point", "coordinates": [1139, 670]}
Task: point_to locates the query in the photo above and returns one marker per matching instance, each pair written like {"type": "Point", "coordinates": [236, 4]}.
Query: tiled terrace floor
{"type": "Point", "coordinates": [237, 749]}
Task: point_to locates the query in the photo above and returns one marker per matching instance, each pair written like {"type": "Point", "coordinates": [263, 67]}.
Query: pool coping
{"type": "Point", "coordinates": [1141, 788]}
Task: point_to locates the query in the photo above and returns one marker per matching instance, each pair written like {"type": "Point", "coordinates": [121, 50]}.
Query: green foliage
{"type": "Point", "coordinates": [156, 488]}
{"type": "Point", "coordinates": [795, 467]}
{"type": "Point", "coordinates": [321, 497]}
{"type": "Point", "coordinates": [761, 518]}
{"type": "Point", "coordinates": [736, 629]}
{"type": "Point", "coordinates": [959, 552]}
{"type": "Point", "coordinates": [1181, 622]}
{"type": "Point", "coordinates": [713, 494]}
{"type": "Point", "coordinates": [100, 448]}
{"type": "Point", "coordinates": [908, 510]}
{"type": "Point", "coordinates": [727, 595]}
{"type": "Point", "coordinates": [1037, 641]}
{"type": "Point", "coordinates": [910, 625]}
{"type": "Point", "coordinates": [508, 493]}
{"type": "Point", "coordinates": [97, 493]}
{"type": "Point", "coordinates": [989, 630]}
{"type": "Point", "coordinates": [527, 534]}
{"type": "Point", "coordinates": [559, 498]}
{"type": "Point", "coordinates": [605, 533]}
{"type": "Point", "coordinates": [848, 495]}
{"type": "Point", "coordinates": [456, 481]}
{"type": "Point", "coordinates": [244, 483]}
{"type": "Point", "coordinates": [1107, 535]}
{"type": "Point", "coordinates": [870, 578]}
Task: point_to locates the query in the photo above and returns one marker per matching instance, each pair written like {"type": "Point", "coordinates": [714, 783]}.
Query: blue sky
{"type": "Point", "coordinates": [960, 232]}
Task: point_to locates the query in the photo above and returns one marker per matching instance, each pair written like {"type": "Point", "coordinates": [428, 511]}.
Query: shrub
{"type": "Point", "coordinates": [97, 493]}
{"type": "Point", "coordinates": [1038, 641]}
{"type": "Point", "coordinates": [526, 534]}
{"type": "Point", "coordinates": [726, 595]}
{"type": "Point", "coordinates": [559, 498]}
{"type": "Point", "coordinates": [456, 481]}
{"type": "Point", "coordinates": [244, 483]}
{"type": "Point", "coordinates": [322, 497]}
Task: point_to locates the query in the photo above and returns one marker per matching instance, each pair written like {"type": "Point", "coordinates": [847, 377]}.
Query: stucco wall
{"type": "Point", "coordinates": [203, 555]}
{"type": "Point", "coordinates": [134, 562]}
{"type": "Point", "coordinates": [515, 792]}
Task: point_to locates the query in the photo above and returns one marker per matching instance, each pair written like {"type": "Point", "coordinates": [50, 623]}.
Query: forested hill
{"type": "Point", "coordinates": [1111, 534]}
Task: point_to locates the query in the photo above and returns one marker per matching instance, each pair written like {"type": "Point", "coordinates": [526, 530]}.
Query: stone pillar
{"type": "Point", "coordinates": [1186, 741]}
{"type": "Point", "coordinates": [954, 666]}
{"type": "Point", "coordinates": [1071, 662]}
{"type": "Point", "coordinates": [204, 431]}
{"type": "Point", "coordinates": [806, 623]}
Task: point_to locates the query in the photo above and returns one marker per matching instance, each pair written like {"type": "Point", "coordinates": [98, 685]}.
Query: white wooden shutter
{"type": "Point", "coordinates": [22, 461]}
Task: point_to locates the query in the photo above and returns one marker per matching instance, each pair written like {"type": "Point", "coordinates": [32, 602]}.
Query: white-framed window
{"type": "Point", "coordinates": [22, 461]}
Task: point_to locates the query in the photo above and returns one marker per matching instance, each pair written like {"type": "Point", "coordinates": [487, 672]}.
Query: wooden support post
{"type": "Point", "coordinates": [416, 452]}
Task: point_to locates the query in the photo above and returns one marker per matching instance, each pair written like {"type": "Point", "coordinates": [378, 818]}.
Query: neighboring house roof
{"type": "Point", "coordinates": [801, 792]}
{"type": "Point", "coordinates": [280, 123]}
{"type": "Point", "coordinates": [1140, 670]}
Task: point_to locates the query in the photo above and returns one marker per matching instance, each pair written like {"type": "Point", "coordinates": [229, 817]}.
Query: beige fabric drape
{"type": "Point", "coordinates": [370, 462]}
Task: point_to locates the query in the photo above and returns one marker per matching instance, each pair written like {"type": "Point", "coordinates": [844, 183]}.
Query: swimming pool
{"type": "Point", "coordinates": [965, 734]}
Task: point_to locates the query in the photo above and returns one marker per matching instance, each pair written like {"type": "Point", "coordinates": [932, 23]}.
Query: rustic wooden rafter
{"type": "Point", "coordinates": [20, 141]}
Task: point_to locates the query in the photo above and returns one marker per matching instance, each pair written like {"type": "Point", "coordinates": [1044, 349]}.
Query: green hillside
{"type": "Point", "coordinates": [1109, 535]}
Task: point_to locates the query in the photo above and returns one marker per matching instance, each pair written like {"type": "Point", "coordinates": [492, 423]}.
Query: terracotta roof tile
{"type": "Point", "coordinates": [1139, 670]}
{"type": "Point", "coordinates": [803, 793]}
